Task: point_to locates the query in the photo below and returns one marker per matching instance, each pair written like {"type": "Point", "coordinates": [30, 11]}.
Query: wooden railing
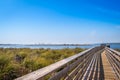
{"type": "Point", "coordinates": [114, 59]}
{"type": "Point", "coordinates": [82, 66]}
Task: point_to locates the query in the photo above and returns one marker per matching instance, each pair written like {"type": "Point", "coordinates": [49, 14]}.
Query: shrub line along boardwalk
{"type": "Point", "coordinates": [98, 63]}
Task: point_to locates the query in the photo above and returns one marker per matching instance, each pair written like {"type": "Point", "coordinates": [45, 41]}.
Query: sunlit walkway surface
{"type": "Point", "coordinates": [108, 72]}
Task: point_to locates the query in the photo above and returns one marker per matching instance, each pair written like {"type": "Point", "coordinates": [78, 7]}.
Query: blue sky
{"type": "Point", "coordinates": [59, 21]}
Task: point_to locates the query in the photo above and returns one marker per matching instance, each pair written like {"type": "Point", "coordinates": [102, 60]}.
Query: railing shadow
{"type": "Point", "coordinates": [101, 75]}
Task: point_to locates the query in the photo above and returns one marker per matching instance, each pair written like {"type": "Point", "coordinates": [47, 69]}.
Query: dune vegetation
{"type": "Point", "coordinates": [15, 62]}
{"type": "Point", "coordinates": [117, 50]}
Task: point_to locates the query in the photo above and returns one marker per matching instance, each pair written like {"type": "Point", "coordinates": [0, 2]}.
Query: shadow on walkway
{"type": "Point", "coordinates": [101, 70]}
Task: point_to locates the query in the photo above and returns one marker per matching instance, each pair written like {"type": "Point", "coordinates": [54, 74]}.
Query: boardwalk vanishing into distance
{"type": "Point", "coordinates": [98, 63]}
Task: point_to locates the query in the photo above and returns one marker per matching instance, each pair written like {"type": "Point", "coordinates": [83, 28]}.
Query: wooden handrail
{"type": "Point", "coordinates": [118, 53]}
{"type": "Point", "coordinates": [114, 60]}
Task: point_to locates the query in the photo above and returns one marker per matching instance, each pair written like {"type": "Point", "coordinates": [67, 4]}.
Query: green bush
{"type": "Point", "coordinates": [4, 60]}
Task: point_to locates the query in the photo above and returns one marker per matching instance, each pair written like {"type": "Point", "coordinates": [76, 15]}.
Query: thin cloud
{"type": "Point", "coordinates": [104, 10]}
{"type": "Point", "coordinates": [108, 11]}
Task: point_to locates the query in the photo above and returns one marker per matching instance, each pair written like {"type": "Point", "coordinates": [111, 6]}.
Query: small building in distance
{"type": "Point", "coordinates": [105, 45]}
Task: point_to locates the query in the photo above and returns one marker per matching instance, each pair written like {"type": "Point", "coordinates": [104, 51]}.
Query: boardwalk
{"type": "Point", "coordinates": [98, 63]}
{"type": "Point", "coordinates": [108, 72]}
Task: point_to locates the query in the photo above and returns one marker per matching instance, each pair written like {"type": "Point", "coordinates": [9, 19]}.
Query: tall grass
{"type": "Point", "coordinates": [117, 50]}
{"type": "Point", "coordinates": [17, 62]}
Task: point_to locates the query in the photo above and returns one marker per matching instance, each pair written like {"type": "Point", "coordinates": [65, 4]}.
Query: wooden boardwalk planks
{"type": "Point", "coordinates": [108, 72]}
